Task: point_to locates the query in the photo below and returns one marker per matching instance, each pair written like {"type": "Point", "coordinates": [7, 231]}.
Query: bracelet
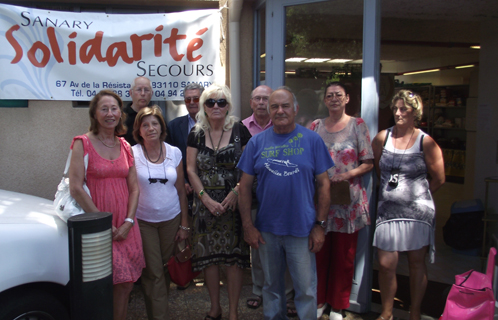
{"type": "Point", "coordinates": [184, 228]}
{"type": "Point", "coordinates": [201, 193]}
{"type": "Point", "coordinates": [130, 220]}
{"type": "Point", "coordinates": [236, 193]}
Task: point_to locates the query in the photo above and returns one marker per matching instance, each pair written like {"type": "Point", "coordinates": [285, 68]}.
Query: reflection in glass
{"type": "Point", "coordinates": [323, 44]}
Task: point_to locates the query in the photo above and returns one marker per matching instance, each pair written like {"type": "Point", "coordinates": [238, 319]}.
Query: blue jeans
{"type": "Point", "coordinates": [278, 253]}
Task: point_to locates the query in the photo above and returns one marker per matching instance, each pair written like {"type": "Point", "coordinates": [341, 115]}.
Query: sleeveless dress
{"type": "Point", "coordinates": [108, 186]}
{"type": "Point", "coordinates": [405, 213]}
{"type": "Point", "coordinates": [217, 240]}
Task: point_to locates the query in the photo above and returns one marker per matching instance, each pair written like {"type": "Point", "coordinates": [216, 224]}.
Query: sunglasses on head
{"type": "Point", "coordinates": [211, 102]}
{"type": "Point", "coordinates": [155, 180]}
{"type": "Point", "coordinates": [193, 99]}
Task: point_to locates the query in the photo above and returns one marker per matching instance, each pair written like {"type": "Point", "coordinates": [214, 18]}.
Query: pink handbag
{"type": "Point", "coordinates": [471, 297]}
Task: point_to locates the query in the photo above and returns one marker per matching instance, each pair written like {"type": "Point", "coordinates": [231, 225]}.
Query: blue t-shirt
{"type": "Point", "coordinates": [286, 166]}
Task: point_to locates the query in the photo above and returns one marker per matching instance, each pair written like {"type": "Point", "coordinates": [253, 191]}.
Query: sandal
{"type": "Point", "coordinates": [208, 317]}
{"type": "Point", "coordinates": [291, 309]}
{"type": "Point", "coordinates": [254, 301]}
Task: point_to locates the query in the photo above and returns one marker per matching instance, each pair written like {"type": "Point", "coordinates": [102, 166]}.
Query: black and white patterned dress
{"type": "Point", "coordinates": [217, 240]}
{"type": "Point", "coordinates": [405, 213]}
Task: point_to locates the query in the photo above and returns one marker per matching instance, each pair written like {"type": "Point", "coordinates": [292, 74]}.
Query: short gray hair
{"type": "Point", "coordinates": [286, 88]}
{"type": "Point", "coordinates": [194, 86]}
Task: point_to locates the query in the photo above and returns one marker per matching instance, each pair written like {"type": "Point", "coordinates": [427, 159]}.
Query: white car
{"type": "Point", "coordinates": [34, 259]}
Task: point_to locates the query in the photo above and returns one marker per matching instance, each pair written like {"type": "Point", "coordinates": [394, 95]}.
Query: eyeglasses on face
{"type": "Point", "coordinates": [155, 180]}
{"type": "Point", "coordinates": [211, 102]}
{"type": "Point", "coordinates": [192, 99]}
{"type": "Point", "coordinates": [258, 98]}
{"type": "Point", "coordinates": [140, 90]}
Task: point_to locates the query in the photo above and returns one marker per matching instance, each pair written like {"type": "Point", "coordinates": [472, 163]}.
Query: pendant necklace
{"type": "Point", "coordinates": [219, 142]}
{"type": "Point", "coordinates": [108, 146]}
{"type": "Point", "coordinates": [394, 176]}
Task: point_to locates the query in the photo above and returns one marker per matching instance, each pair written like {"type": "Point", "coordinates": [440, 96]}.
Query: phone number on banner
{"type": "Point", "coordinates": [164, 90]}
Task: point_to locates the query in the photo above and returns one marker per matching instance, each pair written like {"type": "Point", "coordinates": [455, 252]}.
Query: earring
{"type": "Point", "coordinates": [205, 113]}
{"type": "Point", "coordinates": [227, 113]}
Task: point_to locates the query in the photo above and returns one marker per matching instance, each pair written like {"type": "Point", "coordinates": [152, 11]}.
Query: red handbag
{"type": "Point", "coordinates": [471, 297]}
{"type": "Point", "coordinates": [180, 265]}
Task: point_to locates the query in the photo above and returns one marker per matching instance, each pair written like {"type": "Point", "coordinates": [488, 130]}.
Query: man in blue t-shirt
{"type": "Point", "coordinates": [288, 161]}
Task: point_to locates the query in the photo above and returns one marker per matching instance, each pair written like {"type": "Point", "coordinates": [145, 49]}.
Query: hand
{"type": "Point", "coordinates": [214, 207]}
{"type": "Point", "coordinates": [188, 189]}
{"type": "Point", "coordinates": [121, 233]}
{"type": "Point", "coordinates": [336, 178]}
{"type": "Point", "coordinates": [230, 202]}
{"type": "Point", "coordinates": [316, 239]}
{"type": "Point", "coordinates": [181, 235]}
{"type": "Point", "coordinates": [253, 237]}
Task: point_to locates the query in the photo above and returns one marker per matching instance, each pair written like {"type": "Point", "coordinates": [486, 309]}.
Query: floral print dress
{"type": "Point", "coordinates": [348, 147]}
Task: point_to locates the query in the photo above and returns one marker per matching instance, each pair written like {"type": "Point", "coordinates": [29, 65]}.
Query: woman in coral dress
{"type": "Point", "coordinates": [112, 180]}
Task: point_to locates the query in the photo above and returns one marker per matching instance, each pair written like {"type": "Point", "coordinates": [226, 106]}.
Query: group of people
{"type": "Point", "coordinates": [257, 193]}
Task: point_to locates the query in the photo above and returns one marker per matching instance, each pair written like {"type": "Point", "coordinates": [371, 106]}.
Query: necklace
{"type": "Point", "coordinates": [219, 142]}
{"type": "Point", "coordinates": [155, 180]}
{"type": "Point", "coordinates": [160, 155]}
{"type": "Point", "coordinates": [394, 177]}
{"type": "Point", "coordinates": [98, 137]}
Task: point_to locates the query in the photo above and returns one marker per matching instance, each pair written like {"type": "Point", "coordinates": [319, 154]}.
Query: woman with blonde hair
{"type": "Point", "coordinates": [404, 158]}
{"type": "Point", "coordinates": [213, 150]}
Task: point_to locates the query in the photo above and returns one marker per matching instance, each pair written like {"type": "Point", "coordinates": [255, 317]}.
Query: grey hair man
{"type": "Point", "coordinates": [141, 94]}
{"type": "Point", "coordinates": [288, 230]}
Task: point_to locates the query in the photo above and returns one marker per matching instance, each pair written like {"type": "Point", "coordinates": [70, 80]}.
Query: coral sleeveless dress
{"type": "Point", "coordinates": [106, 180]}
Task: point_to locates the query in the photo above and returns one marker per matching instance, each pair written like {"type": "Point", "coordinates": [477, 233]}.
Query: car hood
{"type": "Point", "coordinates": [33, 241]}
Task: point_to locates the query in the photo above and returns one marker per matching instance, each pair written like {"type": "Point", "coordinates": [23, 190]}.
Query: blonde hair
{"type": "Point", "coordinates": [214, 91]}
{"type": "Point", "coordinates": [410, 99]}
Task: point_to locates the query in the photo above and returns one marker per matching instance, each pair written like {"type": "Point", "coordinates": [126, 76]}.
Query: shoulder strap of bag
{"type": "Point", "coordinates": [68, 161]}
{"type": "Point", "coordinates": [236, 139]}
{"type": "Point", "coordinates": [387, 136]}
{"type": "Point", "coordinates": [422, 142]}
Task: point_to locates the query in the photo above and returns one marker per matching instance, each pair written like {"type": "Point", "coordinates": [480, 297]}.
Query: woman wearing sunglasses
{"type": "Point", "coordinates": [162, 205]}
{"type": "Point", "coordinates": [212, 154]}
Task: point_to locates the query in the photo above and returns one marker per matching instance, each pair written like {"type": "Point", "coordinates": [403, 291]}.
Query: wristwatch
{"type": "Point", "coordinates": [321, 223]}
{"type": "Point", "coordinates": [130, 220]}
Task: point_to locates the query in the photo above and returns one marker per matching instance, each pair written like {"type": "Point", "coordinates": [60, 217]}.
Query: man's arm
{"type": "Point", "coordinates": [251, 235]}
{"type": "Point", "coordinates": [317, 235]}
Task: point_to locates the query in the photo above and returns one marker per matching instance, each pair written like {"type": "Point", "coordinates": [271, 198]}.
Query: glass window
{"type": "Point", "coordinates": [323, 44]}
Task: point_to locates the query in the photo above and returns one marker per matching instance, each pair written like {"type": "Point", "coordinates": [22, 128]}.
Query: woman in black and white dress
{"type": "Point", "coordinates": [404, 156]}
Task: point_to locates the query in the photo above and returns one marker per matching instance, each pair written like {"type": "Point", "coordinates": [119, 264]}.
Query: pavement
{"type": "Point", "coordinates": [193, 303]}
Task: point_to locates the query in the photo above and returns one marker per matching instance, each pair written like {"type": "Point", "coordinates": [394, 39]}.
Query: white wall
{"type": "Point", "coordinates": [34, 144]}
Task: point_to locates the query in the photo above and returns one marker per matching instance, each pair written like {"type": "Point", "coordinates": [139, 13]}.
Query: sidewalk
{"type": "Point", "coordinates": [193, 303]}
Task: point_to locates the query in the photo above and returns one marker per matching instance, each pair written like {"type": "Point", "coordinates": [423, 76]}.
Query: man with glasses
{"type": "Point", "coordinates": [141, 93]}
{"type": "Point", "coordinates": [260, 118]}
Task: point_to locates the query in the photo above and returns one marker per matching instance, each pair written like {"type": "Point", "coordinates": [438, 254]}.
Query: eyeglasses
{"type": "Point", "coordinates": [192, 99]}
{"type": "Point", "coordinates": [140, 90]}
{"type": "Point", "coordinates": [211, 102]}
{"type": "Point", "coordinates": [264, 99]}
{"type": "Point", "coordinates": [155, 180]}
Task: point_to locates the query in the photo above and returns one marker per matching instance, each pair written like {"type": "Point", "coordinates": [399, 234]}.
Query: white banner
{"type": "Point", "coordinates": [55, 55]}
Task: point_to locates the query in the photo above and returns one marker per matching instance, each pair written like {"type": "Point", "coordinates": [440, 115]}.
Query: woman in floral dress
{"type": "Point", "coordinates": [348, 141]}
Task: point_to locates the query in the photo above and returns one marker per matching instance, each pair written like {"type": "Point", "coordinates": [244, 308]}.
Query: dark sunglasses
{"type": "Point", "coordinates": [154, 180]}
{"type": "Point", "coordinates": [193, 99]}
{"type": "Point", "coordinates": [222, 103]}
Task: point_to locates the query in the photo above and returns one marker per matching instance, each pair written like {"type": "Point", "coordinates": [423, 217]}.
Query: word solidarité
{"type": "Point", "coordinates": [92, 48]}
